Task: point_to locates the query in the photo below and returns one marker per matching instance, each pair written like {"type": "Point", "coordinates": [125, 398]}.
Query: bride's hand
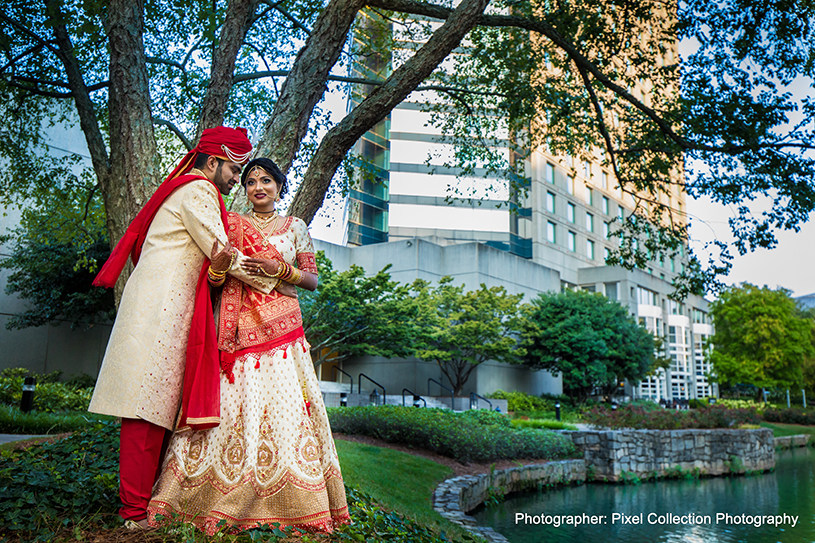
{"type": "Point", "coordinates": [262, 267]}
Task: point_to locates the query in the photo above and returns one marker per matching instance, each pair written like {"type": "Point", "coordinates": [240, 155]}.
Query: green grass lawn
{"type": "Point", "coordinates": [398, 481]}
{"type": "Point", "coordinates": [781, 430]}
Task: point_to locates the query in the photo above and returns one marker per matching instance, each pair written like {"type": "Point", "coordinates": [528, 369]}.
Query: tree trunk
{"type": "Point", "coordinates": [239, 15]}
{"type": "Point", "coordinates": [134, 165]}
{"type": "Point", "coordinates": [305, 84]}
{"type": "Point", "coordinates": [378, 104]}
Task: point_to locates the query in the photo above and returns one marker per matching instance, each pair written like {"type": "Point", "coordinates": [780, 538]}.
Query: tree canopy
{"type": "Point", "coordinates": [142, 79]}
{"type": "Point", "coordinates": [591, 341]}
{"type": "Point", "coordinates": [465, 329]}
{"type": "Point", "coordinates": [352, 315]}
{"type": "Point", "coordinates": [761, 338]}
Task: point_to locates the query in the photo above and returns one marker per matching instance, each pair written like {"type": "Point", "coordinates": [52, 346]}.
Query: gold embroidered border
{"type": "Point", "coordinates": [242, 507]}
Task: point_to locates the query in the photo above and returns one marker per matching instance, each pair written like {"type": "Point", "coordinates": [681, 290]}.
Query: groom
{"type": "Point", "coordinates": [160, 369]}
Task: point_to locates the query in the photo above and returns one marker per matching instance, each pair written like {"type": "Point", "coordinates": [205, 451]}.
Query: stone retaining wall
{"type": "Point", "coordinates": [607, 454]}
{"type": "Point", "coordinates": [788, 442]}
{"type": "Point", "coordinates": [614, 454]}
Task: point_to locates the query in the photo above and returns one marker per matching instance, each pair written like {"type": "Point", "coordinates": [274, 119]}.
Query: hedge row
{"type": "Point", "coordinates": [790, 416]}
{"type": "Point", "coordinates": [628, 416]}
{"type": "Point", "coordinates": [472, 436]}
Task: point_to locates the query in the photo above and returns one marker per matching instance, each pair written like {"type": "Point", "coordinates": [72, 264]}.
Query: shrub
{"type": "Point", "coordinates": [50, 396]}
{"type": "Point", "coordinates": [790, 416]}
{"type": "Point", "coordinates": [520, 401]}
{"type": "Point", "coordinates": [454, 435]}
{"type": "Point", "coordinates": [486, 417]}
{"type": "Point", "coordinates": [628, 416]}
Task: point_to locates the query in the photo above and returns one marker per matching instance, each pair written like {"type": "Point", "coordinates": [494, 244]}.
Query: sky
{"type": "Point", "coordinates": [791, 264]}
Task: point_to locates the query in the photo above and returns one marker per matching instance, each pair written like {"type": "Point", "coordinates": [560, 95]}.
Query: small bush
{"type": "Point", "coordinates": [454, 435]}
{"type": "Point", "coordinates": [50, 396]}
{"type": "Point", "coordinates": [520, 401]}
{"type": "Point", "coordinates": [628, 416]}
{"type": "Point", "coordinates": [790, 416]}
{"type": "Point", "coordinates": [486, 417]}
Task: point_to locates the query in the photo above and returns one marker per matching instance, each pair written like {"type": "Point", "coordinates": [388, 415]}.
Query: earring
{"type": "Point", "coordinates": [277, 199]}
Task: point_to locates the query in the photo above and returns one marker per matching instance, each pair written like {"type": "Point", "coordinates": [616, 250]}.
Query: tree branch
{"type": "Point", "coordinates": [239, 15]}
{"type": "Point", "coordinates": [297, 24]}
{"type": "Point", "coordinates": [27, 31]}
{"type": "Point", "coordinates": [30, 50]}
{"type": "Point", "coordinates": [167, 62]}
{"type": "Point", "coordinates": [175, 130]}
{"type": "Point", "coordinates": [38, 92]}
{"type": "Point", "coordinates": [542, 27]}
{"type": "Point", "coordinates": [305, 85]}
{"type": "Point", "coordinates": [375, 106]}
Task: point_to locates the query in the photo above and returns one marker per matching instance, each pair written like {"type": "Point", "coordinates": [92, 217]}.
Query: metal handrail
{"type": "Point", "coordinates": [413, 394]}
{"type": "Point", "coordinates": [474, 395]}
{"type": "Point", "coordinates": [333, 376]}
{"type": "Point", "coordinates": [452, 393]}
{"type": "Point", "coordinates": [359, 387]}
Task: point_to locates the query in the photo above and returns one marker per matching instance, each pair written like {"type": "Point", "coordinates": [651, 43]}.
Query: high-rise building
{"type": "Point", "coordinates": [564, 222]}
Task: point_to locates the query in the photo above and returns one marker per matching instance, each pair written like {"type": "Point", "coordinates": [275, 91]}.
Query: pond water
{"type": "Point", "coordinates": [748, 509]}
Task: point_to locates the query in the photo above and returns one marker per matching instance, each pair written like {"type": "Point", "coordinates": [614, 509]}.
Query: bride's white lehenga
{"type": "Point", "coordinates": [272, 457]}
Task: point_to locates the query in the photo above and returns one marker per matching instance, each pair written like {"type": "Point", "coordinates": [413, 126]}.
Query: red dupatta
{"type": "Point", "coordinates": [200, 401]}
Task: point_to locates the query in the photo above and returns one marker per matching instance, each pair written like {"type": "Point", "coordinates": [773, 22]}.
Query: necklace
{"type": "Point", "coordinates": [263, 222]}
{"type": "Point", "coordinates": [260, 224]}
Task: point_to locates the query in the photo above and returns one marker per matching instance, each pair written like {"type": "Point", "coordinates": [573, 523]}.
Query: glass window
{"type": "Point", "coordinates": [606, 230]}
{"type": "Point", "coordinates": [550, 202]}
{"type": "Point", "coordinates": [586, 169]}
{"type": "Point", "coordinates": [589, 222]}
{"type": "Point", "coordinates": [589, 196]}
{"type": "Point", "coordinates": [606, 253]}
{"type": "Point", "coordinates": [550, 173]}
{"type": "Point", "coordinates": [590, 249]}
{"type": "Point", "coordinates": [550, 232]}
{"type": "Point", "coordinates": [570, 185]}
{"type": "Point", "coordinates": [605, 205]}
{"type": "Point", "coordinates": [572, 241]}
{"type": "Point", "coordinates": [570, 212]}
{"type": "Point", "coordinates": [604, 181]}
{"type": "Point", "coordinates": [620, 213]}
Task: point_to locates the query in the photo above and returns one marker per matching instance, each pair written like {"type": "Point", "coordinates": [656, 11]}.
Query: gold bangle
{"type": "Point", "coordinates": [216, 273]}
{"type": "Point", "coordinates": [296, 276]}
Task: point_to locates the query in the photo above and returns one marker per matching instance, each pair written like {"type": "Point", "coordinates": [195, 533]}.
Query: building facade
{"type": "Point", "coordinates": [564, 223]}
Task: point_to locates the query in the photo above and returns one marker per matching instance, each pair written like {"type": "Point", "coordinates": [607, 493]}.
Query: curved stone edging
{"type": "Point", "coordinates": [464, 493]}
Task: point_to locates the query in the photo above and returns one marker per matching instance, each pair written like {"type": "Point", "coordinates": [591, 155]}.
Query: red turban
{"type": "Point", "coordinates": [229, 144]}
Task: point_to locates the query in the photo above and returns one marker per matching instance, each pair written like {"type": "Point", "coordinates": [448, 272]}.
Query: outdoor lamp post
{"type": "Point", "coordinates": [343, 399]}
{"type": "Point", "coordinates": [557, 411]}
{"type": "Point", "coordinates": [416, 400]}
{"type": "Point", "coordinates": [473, 402]}
{"type": "Point", "coordinates": [27, 401]}
{"type": "Point", "coordinates": [711, 400]}
{"type": "Point", "coordinates": [374, 397]}
{"type": "Point", "coordinates": [614, 406]}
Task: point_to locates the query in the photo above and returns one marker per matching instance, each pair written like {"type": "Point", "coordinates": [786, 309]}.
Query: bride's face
{"type": "Point", "coordinates": [261, 188]}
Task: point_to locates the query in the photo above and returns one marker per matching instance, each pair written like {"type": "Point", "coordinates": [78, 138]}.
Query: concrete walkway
{"type": "Point", "coordinates": [8, 438]}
